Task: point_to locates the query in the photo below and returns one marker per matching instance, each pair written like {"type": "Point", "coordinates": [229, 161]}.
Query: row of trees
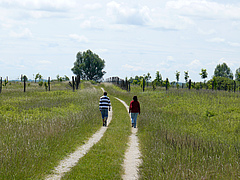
{"type": "Point", "coordinates": [89, 66]}
{"type": "Point", "coordinates": [222, 79]}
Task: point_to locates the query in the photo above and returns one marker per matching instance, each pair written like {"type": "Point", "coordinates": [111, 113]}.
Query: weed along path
{"type": "Point", "coordinates": [132, 156]}
{"type": "Point", "coordinates": [70, 161]}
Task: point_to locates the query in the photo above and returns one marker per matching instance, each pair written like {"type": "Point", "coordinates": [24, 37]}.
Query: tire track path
{"type": "Point", "coordinates": [132, 156]}
{"type": "Point", "coordinates": [71, 160]}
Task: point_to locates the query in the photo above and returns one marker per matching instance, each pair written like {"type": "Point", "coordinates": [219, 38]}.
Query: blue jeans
{"type": "Point", "coordinates": [104, 113]}
{"type": "Point", "coordinates": [134, 119]}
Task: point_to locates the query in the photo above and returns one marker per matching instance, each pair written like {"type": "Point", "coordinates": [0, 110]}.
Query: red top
{"type": "Point", "coordinates": [134, 107]}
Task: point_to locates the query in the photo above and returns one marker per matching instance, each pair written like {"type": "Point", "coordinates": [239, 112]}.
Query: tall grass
{"type": "Point", "coordinates": [40, 128]}
{"type": "Point", "coordinates": [188, 134]}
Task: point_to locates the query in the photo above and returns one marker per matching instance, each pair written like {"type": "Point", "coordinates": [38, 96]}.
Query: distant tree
{"type": "Point", "coordinates": [186, 76]}
{"type": "Point", "coordinates": [237, 74]}
{"type": "Point", "coordinates": [66, 78]}
{"type": "Point", "coordinates": [58, 77]}
{"type": "Point", "coordinates": [88, 66]}
{"type": "Point", "coordinates": [37, 76]}
{"type": "Point", "coordinates": [177, 76]}
{"type": "Point", "coordinates": [203, 74]}
{"type": "Point", "coordinates": [148, 78]}
{"type": "Point", "coordinates": [222, 70]}
{"type": "Point", "coordinates": [158, 78]}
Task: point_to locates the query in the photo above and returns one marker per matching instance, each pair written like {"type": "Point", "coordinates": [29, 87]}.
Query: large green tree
{"type": "Point", "coordinates": [89, 66]}
{"type": "Point", "coordinates": [222, 70]}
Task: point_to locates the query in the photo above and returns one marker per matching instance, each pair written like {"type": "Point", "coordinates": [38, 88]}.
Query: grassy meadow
{"type": "Point", "coordinates": [39, 128]}
{"type": "Point", "coordinates": [183, 134]}
{"type": "Point", "coordinates": [187, 134]}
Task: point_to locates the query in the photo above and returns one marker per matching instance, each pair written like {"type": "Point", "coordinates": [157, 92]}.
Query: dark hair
{"type": "Point", "coordinates": [105, 93]}
{"type": "Point", "coordinates": [135, 98]}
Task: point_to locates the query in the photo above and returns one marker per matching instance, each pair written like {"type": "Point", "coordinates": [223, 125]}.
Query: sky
{"type": "Point", "coordinates": [133, 37]}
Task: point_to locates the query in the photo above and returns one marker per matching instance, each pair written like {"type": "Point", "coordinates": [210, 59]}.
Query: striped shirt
{"type": "Point", "coordinates": [104, 103]}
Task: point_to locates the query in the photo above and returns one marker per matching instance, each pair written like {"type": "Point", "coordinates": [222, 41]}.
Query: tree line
{"type": "Point", "coordinates": [222, 79]}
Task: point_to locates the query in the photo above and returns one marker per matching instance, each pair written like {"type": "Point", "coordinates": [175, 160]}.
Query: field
{"type": "Point", "coordinates": [184, 134]}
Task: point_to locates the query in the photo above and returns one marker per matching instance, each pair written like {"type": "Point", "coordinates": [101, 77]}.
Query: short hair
{"type": "Point", "coordinates": [105, 93]}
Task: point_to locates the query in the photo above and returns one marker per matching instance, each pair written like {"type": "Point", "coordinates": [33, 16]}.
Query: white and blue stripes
{"type": "Point", "coordinates": [104, 102]}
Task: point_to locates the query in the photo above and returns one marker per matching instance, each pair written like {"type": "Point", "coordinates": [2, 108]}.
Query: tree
{"type": "Point", "coordinates": [158, 78]}
{"type": "Point", "coordinates": [177, 76]}
{"type": "Point", "coordinates": [186, 76]}
{"type": "Point", "coordinates": [203, 74]}
{"type": "Point", "coordinates": [89, 66]}
{"type": "Point", "coordinates": [148, 78]}
{"type": "Point", "coordinates": [237, 74]}
{"type": "Point", "coordinates": [222, 70]}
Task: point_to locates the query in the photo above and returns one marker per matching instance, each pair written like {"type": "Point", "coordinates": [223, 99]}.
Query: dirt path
{"type": "Point", "coordinates": [71, 160]}
{"type": "Point", "coordinates": [132, 156]}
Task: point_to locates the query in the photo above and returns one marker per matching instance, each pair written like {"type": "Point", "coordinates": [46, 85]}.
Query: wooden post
{"type": "Point", "coordinates": [143, 84]}
{"type": "Point", "coordinates": [73, 83]}
{"type": "Point", "coordinates": [234, 86]}
{"type": "Point", "coordinates": [129, 87]}
{"type": "Point", "coordinates": [166, 84]}
{"type": "Point", "coordinates": [126, 84]}
{"type": "Point", "coordinates": [189, 84]}
{"type": "Point", "coordinates": [1, 85]}
{"type": "Point", "coordinates": [49, 83]}
{"type": "Point", "coordinates": [76, 81]}
{"type": "Point", "coordinates": [24, 82]}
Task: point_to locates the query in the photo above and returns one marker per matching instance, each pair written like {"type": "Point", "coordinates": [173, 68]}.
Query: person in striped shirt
{"type": "Point", "coordinates": [104, 106]}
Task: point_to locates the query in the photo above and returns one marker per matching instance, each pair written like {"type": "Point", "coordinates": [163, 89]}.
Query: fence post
{"type": "Point", "coordinates": [76, 81]}
{"type": "Point", "coordinates": [166, 84]}
{"type": "Point", "coordinates": [1, 85]}
{"type": "Point", "coordinates": [129, 87]}
{"type": "Point", "coordinates": [24, 82]}
{"type": "Point", "coordinates": [234, 86]}
{"type": "Point", "coordinates": [143, 84]}
{"type": "Point", "coordinates": [49, 83]}
{"type": "Point", "coordinates": [189, 84]}
{"type": "Point", "coordinates": [73, 83]}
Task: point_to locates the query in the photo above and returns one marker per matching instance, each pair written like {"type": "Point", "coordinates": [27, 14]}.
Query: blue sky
{"type": "Point", "coordinates": [134, 38]}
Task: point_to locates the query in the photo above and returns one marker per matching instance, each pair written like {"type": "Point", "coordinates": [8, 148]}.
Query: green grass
{"type": "Point", "coordinates": [40, 128]}
{"type": "Point", "coordinates": [187, 134]}
{"type": "Point", "coordinates": [105, 158]}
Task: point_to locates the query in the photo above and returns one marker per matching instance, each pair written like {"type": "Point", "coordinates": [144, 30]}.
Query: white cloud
{"type": "Point", "coordinates": [195, 64]}
{"type": "Point", "coordinates": [45, 62]}
{"type": "Point", "coordinates": [234, 44]}
{"type": "Point", "coordinates": [216, 40]}
{"type": "Point", "coordinates": [207, 32]}
{"type": "Point", "coordinates": [133, 68]}
{"type": "Point", "coordinates": [93, 6]}
{"type": "Point", "coordinates": [25, 33]}
{"type": "Point", "coordinates": [79, 38]}
{"type": "Point", "coordinates": [122, 14]}
{"type": "Point", "coordinates": [93, 23]}
{"type": "Point", "coordinates": [204, 8]}
{"type": "Point", "coordinates": [45, 5]}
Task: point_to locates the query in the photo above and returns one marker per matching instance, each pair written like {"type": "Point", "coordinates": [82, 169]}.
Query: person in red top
{"type": "Point", "coordinates": [134, 109]}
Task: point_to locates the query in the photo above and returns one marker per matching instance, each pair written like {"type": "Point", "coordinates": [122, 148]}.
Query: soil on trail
{"type": "Point", "coordinates": [132, 156]}
{"type": "Point", "coordinates": [70, 161]}
{"type": "Point", "coordinates": [131, 160]}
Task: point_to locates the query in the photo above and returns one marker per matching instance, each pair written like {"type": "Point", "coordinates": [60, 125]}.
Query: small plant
{"type": "Point", "coordinates": [40, 83]}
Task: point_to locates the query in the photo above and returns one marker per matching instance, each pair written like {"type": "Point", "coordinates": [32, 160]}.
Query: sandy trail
{"type": "Point", "coordinates": [71, 160]}
{"type": "Point", "coordinates": [132, 156]}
